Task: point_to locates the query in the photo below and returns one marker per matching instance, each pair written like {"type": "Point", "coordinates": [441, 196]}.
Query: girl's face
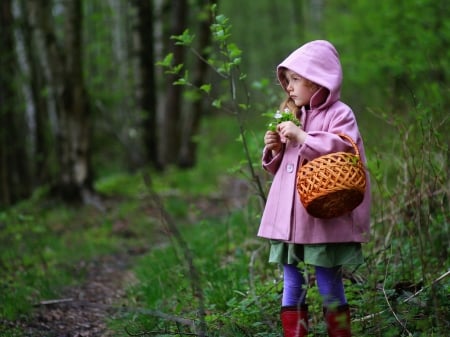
{"type": "Point", "coordinates": [299, 89]}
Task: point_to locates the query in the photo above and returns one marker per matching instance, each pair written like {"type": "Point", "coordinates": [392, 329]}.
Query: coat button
{"type": "Point", "coordinates": [290, 168]}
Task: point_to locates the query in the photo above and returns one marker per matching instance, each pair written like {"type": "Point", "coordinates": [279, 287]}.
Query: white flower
{"type": "Point", "coordinates": [278, 115]}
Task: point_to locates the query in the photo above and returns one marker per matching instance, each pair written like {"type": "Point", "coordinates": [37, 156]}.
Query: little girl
{"type": "Point", "coordinates": [312, 77]}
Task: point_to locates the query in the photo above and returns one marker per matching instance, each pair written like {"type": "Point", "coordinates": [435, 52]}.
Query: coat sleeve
{"type": "Point", "coordinates": [271, 163]}
{"type": "Point", "coordinates": [326, 139]}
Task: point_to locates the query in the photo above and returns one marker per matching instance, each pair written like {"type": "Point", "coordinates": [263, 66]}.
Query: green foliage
{"type": "Point", "coordinates": [224, 263]}
{"type": "Point", "coordinates": [395, 52]}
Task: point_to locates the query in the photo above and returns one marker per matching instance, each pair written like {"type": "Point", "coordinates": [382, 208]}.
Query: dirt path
{"type": "Point", "coordinates": [84, 309]}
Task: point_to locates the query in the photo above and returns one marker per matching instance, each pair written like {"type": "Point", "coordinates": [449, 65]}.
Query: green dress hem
{"type": "Point", "coordinates": [322, 255]}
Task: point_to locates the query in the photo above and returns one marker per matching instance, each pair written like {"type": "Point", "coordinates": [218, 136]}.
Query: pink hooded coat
{"type": "Point", "coordinates": [284, 216]}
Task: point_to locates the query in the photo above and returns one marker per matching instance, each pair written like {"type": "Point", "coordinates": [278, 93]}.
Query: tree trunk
{"type": "Point", "coordinates": [14, 173]}
{"type": "Point", "coordinates": [6, 95]}
{"type": "Point", "coordinates": [188, 152]}
{"type": "Point", "coordinates": [36, 103]}
{"type": "Point", "coordinates": [147, 88]}
{"type": "Point", "coordinates": [169, 130]}
{"type": "Point", "coordinates": [65, 75]}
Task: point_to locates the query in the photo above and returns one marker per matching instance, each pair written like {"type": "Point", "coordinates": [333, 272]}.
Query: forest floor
{"type": "Point", "coordinates": [85, 308]}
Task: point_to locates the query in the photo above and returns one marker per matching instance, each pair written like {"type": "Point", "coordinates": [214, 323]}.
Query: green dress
{"type": "Point", "coordinates": [322, 255]}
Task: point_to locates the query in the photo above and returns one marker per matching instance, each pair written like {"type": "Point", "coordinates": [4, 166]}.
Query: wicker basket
{"type": "Point", "coordinates": [333, 184]}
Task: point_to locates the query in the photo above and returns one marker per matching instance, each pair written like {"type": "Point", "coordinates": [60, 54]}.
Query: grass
{"type": "Point", "coordinates": [42, 241]}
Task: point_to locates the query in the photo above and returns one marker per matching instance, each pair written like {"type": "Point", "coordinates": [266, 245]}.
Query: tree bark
{"type": "Point", "coordinates": [14, 173]}
{"type": "Point", "coordinates": [6, 93]}
{"type": "Point", "coordinates": [36, 102]}
{"type": "Point", "coordinates": [169, 130]}
{"type": "Point", "coordinates": [65, 76]}
{"type": "Point", "coordinates": [188, 152]}
{"type": "Point", "coordinates": [147, 87]}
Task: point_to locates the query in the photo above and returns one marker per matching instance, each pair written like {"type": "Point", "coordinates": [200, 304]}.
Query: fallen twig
{"type": "Point", "coordinates": [55, 301]}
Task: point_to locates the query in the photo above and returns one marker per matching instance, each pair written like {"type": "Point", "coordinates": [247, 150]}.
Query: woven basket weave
{"type": "Point", "coordinates": [332, 185]}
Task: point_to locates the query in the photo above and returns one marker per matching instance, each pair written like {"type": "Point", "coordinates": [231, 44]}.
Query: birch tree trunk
{"type": "Point", "coordinates": [36, 104]}
{"type": "Point", "coordinates": [65, 76]}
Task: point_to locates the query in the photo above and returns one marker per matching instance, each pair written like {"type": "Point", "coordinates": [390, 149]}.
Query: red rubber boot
{"type": "Point", "coordinates": [338, 321]}
{"type": "Point", "coordinates": [294, 321]}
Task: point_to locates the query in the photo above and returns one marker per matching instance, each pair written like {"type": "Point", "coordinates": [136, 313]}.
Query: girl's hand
{"type": "Point", "coordinates": [292, 132]}
{"type": "Point", "coordinates": [272, 141]}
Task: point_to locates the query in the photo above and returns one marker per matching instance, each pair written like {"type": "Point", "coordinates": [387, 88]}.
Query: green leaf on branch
{"type": "Point", "coordinates": [206, 88]}
{"type": "Point", "coordinates": [217, 103]}
{"type": "Point", "coordinates": [175, 69]}
{"type": "Point", "coordinates": [234, 50]}
{"type": "Point", "coordinates": [167, 62]}
{"type": "Point", "coordinates": [184, 39]}
{"type": "Point", "coordinates": [180, 81]}
{"type": "Point", "coordinates": [183, 80]}
{"type": "Point", "coordinates": [221, 29]}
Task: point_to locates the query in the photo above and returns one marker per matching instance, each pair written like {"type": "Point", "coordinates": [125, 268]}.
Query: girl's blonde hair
{"type": "Point", "coordinates": [288, 103]}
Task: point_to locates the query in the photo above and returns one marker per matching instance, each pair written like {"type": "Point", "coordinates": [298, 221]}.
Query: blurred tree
{"type": "Point", "coordinates": [196, 110]}
{"type": "Point", "coordinates": [147, 87]}
{"type": "Point", "coordinates": [36, 105]}
{"type": "Point", "coordinates": [64, 71]}
{"type": "Point", "coordinates": [169, 134]}
{"type": "Point", "coordinates": [14, 174]}
{"type": "Point", "coordinates": [179, 110]}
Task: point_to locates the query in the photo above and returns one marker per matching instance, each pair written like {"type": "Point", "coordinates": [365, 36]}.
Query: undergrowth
{"type": "Point", "coordinates": [401, 290]}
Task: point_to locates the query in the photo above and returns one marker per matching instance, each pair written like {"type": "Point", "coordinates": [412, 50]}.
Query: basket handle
{"type": "Point", "coordinates": [355, 147]}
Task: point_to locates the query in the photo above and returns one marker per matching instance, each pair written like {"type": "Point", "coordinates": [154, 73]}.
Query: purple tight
{"type": "Point", "coordinates": [294, 288]}
{"type": "Point", "coordinates": [329, 283]}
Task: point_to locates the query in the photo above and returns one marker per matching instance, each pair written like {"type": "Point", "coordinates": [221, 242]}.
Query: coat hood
{"type": "Point", "coordinates": [317, 61]}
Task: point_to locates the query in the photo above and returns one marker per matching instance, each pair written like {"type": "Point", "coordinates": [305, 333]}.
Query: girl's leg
{"type": "Point", "coordinates": [294, 289]}
{"type": "Point", "coordinates": [331, 287]}
{"type": "Point", "coordinates": [335, 307]}
{"type": "Point", "coordinates": [294, 314]}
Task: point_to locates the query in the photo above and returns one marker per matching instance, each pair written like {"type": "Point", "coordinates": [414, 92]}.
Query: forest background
{"type": "Point", "coordinates": [150, 115]}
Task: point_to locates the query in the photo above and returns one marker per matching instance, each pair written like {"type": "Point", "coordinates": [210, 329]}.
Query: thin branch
{"type": "Point", "coordinates": [395, 315]}
{"type": "Point", "coordinates": [440, 278]}
{"type": "Point", "coordinates": [211, 66]}
{"type": "Point", "coordinates": [443, 276]}
{"type": "Point", "coordinates": [193, 272]}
